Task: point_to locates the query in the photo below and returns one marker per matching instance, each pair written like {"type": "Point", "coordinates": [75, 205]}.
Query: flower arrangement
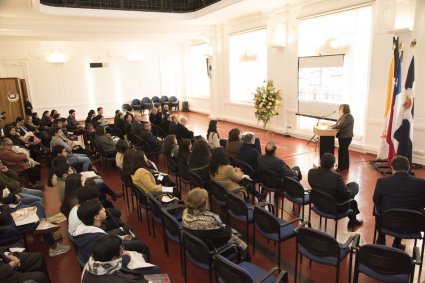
{"type": "Point", "coordinates": [267, 101]}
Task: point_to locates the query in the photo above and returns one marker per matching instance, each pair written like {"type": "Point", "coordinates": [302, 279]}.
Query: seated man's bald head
{"type": "Point", "coordinates": [270, 148]}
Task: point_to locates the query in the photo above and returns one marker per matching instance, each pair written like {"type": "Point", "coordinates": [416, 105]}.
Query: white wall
{"type": "Point", "coordinates": [163, 69]}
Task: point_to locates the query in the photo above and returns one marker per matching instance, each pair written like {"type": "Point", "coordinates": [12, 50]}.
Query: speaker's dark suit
{"type": "Point", "coordinates": [330, 182]}
{"type": "Point", "coordinates": [401, 190]}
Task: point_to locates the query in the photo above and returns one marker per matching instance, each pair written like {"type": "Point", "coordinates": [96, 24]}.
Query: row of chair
{"type": "Point", "coordinates": [147, 103]}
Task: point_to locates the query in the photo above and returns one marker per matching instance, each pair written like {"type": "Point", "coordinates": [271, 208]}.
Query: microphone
{"type": "Point", "coordinates": [333, 112]}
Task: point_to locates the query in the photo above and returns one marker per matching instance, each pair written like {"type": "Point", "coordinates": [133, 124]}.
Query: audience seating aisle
{"type": "Point", "coordinates": [65, 268]}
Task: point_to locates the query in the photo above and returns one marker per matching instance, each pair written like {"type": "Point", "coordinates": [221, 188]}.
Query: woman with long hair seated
{"type": "Point", "coordinates": [206, 225]}
{"type": "Point", "coordinates": [170, 148]}
{"type": "Point", "coordinates": [137, 167]}
{"type": "Point", "coordinates": [231, 178]}
{"type": "Point", "coordinates": [213, 136]}
{"type": "Point", "coordinates": [199, 159]}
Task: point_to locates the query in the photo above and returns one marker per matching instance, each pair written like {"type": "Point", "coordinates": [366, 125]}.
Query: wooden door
{"type": "Point", "coordinates": [11, 100]}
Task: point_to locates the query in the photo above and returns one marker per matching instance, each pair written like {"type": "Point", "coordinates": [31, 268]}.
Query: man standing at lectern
{"type": "Point", "coordinates": [345, 125]}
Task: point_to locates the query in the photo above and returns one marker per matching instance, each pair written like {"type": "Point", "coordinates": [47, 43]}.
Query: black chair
{"type": "Point", "coordinates": [135, 141]}
{"type": "Point", "coordinates": [142, 202]}
{"type": "Point", "coordinates": [125, 107]}
{"type": "Point", "coordinates": [404, 224]}
{"type": "Point", "coordinates": [198, 253]}
{"type": "Point", "coordinates": [271, 186]}
{"type": "Point", "coordinates": [294, 192]}
{"type": "Point", "coordinates": [146, 104]}
{"type": "Point", "coordinates": [219, 193]}
{"type": "Point", "coordinates": [322, 248]}
{"type": "Point", "coordinates": [272, 227]}
{"type": "Point", "coordinates": [173, 231]}
{"type": "Point", "coordinates": [248, 170]}
{"type": "Point", "coordinates": [183, 170]}
{"type": "Point", "coordinates": [240, 210]}
{"type": "Point", "coordinates": [136, 104]}
{"type": "Point", "coordinates": [233, 160]}
{"type": "Point", "coordinates": [196, 180]}
{"type": "Point", "coordinates": [385, 264]}
{"type": "Point", "coordinates": [125, 185]}
{"type": "Point", "coordinates": [245, 272]}
{"type": "Point", "coordinates": [155, 101]}
{"type": "Point", "coordinates": [164, 100]}
{"type": "Point", "coordinates": [172, 167]}
{"type": "Point", "coordinates": [326, 206]}
{"type": "Point", "coordinates": [174, 103]}
{"type": "Point", "coordinates": [105, 158]}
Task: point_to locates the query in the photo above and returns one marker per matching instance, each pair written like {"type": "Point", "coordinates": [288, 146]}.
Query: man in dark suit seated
{"type": "Point", "coordinates": [136, 125]}
{"type": "Point", "coordinates": [326, 180]}
{"type": "Point", "coordinates": [181, 131]}
{"type": "Point", "coordinates": [275, 167]}
{"type": "Point", "coordinates": [401, 190]}
{"type": "Point", "coordinates": [248, 151]}
{"type": "Point", "coordinates": [153, 141]}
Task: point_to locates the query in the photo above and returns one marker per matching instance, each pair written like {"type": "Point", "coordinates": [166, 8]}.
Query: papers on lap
{"type": "Point", "coordinates": [25, 216]}
{"type": "Point", "coordinates": [137, 261]}
{"type": "Point", "coordinates": [167, 189]}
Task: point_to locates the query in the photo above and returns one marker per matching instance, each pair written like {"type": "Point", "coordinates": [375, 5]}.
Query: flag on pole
{"type": "Point", "coordinates": [383, 148]}
{"type": "Point", "coordinates": [394, 123]}
{"type": "Point", "coordinates": [404, 134]}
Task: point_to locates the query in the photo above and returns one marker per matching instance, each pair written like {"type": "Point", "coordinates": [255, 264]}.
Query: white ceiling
{"type": "Point", "coordinates": [30, 20]}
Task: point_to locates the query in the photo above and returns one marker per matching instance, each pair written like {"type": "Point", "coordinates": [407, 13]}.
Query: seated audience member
{"type": "Point", "coordinates": [61, 172]}
{"type": "Point", "coordinates": [90, 192]}
{"type": "Point", "coordinates": [165, 110]}
{"type": "Point", "coordinates": [119, 123]}
{"type": "Point", "coordinates": [184, 151]}
{"type": "Point", "coordinates": [121, 147]}
{"type": "Point", "coordinates": [92, 214]}
{"type": "Point", "coordinates": [181, 131]}
{"type": "Point", "coordinates": [199, 159]}
{"type": "Point", "coordinates": [213, 137]}
{"type": "Point", "coordinates": [172, 128]}
{"type": "Point", "coordinates": [170, 148]}
{"type": "Point", "coordinates": [165, 124]}
{"type": "Point", "coordinates": [73, 125]}
{"type": "Point", "coordinates": [19, 162]}
{"type": "Point", "coordinates": [275, 167]}
{"type": "Point", "coordinates": [401, 190]}
{"type": "Point", "coordinates": [42, 227]}
{"type": "Point", "coordinates": [28, 106]}
{"type": "Point", "coordinates": [107, 263]}
{"type": "Point", "coordinates": [128, 119]}
{"type": "Point", "coordinates": [36, 120]}
{"type": "Point", "coordinates": [136, 125]}
{"type": "Point", "coordinates": [53, 114]}
{"type": "Point", "coordinates": [155, 117]}
{"type": "Point", "coordinates": [231, 177]}
{"type": "Point", "coordinates": [326, 180]}
{"type": "Point", "coordinates": [234, 142]}
{"type": "Point", "coordinates": [139, 169]}
{"type": "Point", "coordinates": [105, 142]}
{"type": "Point", "coordinates": [73, 183]}
{"type": "Point", "coordinates": [20, 267]}
{"type": "Point", "coordinates": [46, 120]}
{"type": "Point", "coordinates": [9, 179]}
{"type": "Point", "coordinates": [28, 141]}
{"type": "Point", "coordinates": [248, 151]}
{"type": "Point", "coordinates": [206, 225]}
{"type": "Point", "coordinates": [89, 118]}
{"type": "Point", "coordinates": [99, 111]}
{"type": "Point", "coordinates": [73, 158]}
{"type": "Point", "coordinates": [153, 142]}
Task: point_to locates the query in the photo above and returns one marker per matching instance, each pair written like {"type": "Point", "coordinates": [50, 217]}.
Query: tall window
{"type": "Point", "coordinates": [345, 33]}
{"type": "Point", "coordinates": [247, 63]}
{"type": "Point", "coordinates": [199, 80]}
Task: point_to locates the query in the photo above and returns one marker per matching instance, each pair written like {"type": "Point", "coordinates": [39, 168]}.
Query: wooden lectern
{"type": "Point", "coordinates": [326, 139]}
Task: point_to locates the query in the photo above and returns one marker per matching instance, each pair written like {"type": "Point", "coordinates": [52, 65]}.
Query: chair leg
{"type": "Point", "coordinates": [337, 273]}
{"type": "Point", "coordinates": [320, 223]}
{"type": "Point", "coordinates": [422, 259]}
{"type": "Point", "coordinates": [350, 266]}
{"type": "Point", "coordinates": [336, 228]}
{"type": "Point", "coordinates": [253, 239]}
{"type": "Point", "coordinates": [302, 213]}
{"type": "Point", "coordinates": [296, 266]}
{"type": "Point", "coordinates": [278, 254]}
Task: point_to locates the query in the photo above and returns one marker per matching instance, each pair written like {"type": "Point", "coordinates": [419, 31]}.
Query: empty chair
{"type": "Point", "coordinates": [272, 227]}
{"type": "Point", "coordinates": [322, 248]}
{"type": "Point", "coordinates": [218, 193]}
{"type": "Point", "coordinates": [136, 104]}
{"type": "Point", "coordinates": [327, 206]}
{"type": "Point", "coordinates": [146, 104]}
{"type": "Point", "coordinates": [271, 186]}
{"type": "Point", "coordinates": [174, 103]}
{"type": "Point", "coordinates": [142, 203]}
{"type": "Point", "coordinates": [238, 209]}
{"type": "Point", "coordinates": [294, 192]}
{"type": "Point", "coordinates": [155, 101]}
{"type": "Point", "coordinates": [173, 231]}
{"type": "Point", "coordinates": [183, 174]}
{"type": "Point", "coordinates": [196, 180]}
{"type": "Point", "coordinates": [198, 253]}
{"type": "Point", "coordinates": [245, 272]}
{"type": "Point", "coordinates": [164, 100]}
{"type": "Point", "coordinates": [385, 264]}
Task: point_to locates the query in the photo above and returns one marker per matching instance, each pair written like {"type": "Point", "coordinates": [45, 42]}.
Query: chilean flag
{"type": "Point", "coordinates": [393, 122]}
{"type": "Point", "coordinates": [404, 133]}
